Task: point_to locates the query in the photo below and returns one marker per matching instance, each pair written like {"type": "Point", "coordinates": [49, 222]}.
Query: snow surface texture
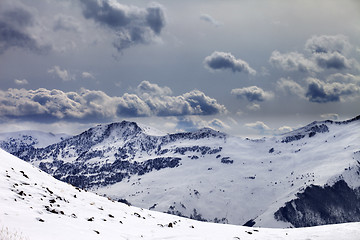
{"type": "Point", "coordinates": [208, 175]}
{"type": "Point", "coordinates": [34, 205]}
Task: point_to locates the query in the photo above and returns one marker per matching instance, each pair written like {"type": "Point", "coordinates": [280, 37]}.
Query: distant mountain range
{"type": "Point", "coordinates": [307, 177]}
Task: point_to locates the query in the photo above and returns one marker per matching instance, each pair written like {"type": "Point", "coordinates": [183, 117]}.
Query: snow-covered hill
{"type": "Point", "coordinates": [303, 178]}
{"type": "Point", "coordinates": [34, 205]}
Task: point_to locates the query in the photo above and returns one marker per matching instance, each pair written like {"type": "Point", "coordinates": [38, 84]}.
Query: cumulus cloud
{"type": "Point", "coordinates": [253, 107]}
{"type": "Point", "coordinates": [284, 129]}
{"type": "Point", "coordinates": [192, 123]}
{"type": "Point", "coordinates": [290, 87]}
{"type": "Point", "coordinates": [322, 92]}
{"type": "Point", "coordinates": [49, 105]}
{"type": "Point", "coordinates": [63, 74]}
{"type": "Point", "coordinates": [15, 33]}
{"type": "Point", "coordinates": [252, 94]}
{"type": "Point", "coordinates": [218, 124]}
{"type": "Point", "coordinates": [88, 105]}
{"type": "Point", "coordinates": [344, 78]}
{"type": "Point", "coordinates": [87, 75]}
{"type": "Point", "coordinates": [332, 60]}
{"type": "Point", "coordinates": [262, 128]}
{"type": "Point", "coordinates": [330, 116]}
{"type": "Point", "coordinates": [327, 44]}
{"type": "Point", "coordinates": [131, 25]}
{"type": "Point", "coordinates": [21, 81]}
{"type": "Point", "coordinates": [258, 126]}
{"type": "Point", "coordinates": [223, 61]}
{"type": "Point", "coordinates": [292, 61]}
{"type": "Point", "coordinates": [209, 19]}
{"type": "Point", "coordinates": [324, 52]}
{"type": "Point", "coordinates": [145, 87]}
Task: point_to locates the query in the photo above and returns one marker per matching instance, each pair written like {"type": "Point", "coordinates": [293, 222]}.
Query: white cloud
{"type": "Point", "coordinates": [292, 61]}
{"type": "Point", "coordinates": [259, 126]}
{"type": "Point", "coordinates": [252, 94]}
{"type": "Point", "coordinates": [263, 129]}
{"type": "Point", "coordinates": [21, 81]}
{"type": "Point", "coordinates": [290, 87]}
{"type": "Point", "coordinates": [327, 43]}
{"type": "Point", "coordinates": [253, 107]}
{"type": "Point", "coordinates": [87, 75]}
{"type": "Point", "coordinates": [63, 74]}
{"type": "Point", "coordinates": [330, 116]}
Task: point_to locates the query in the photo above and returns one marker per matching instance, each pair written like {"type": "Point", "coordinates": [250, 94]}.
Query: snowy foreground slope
{"type": "Point", "coordinates": [307, 177]}
{"type": "Point", "coordinates": [34, 205]}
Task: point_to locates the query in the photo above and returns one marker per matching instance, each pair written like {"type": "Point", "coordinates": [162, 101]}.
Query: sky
{"type": "Point", "coordinates": [247, 68]}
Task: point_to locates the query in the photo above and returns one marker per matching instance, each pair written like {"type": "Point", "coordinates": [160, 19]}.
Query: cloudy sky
{"type": "Point", "coordinates": [249, 68]}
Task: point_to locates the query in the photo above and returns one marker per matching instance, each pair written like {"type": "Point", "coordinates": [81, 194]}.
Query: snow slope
{"type": "Point", "coordinates": [208, 175]}
{"type": "Point", "coordinates": [34, 205]}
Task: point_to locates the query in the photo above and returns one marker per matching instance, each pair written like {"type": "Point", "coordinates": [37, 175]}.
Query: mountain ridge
{"type": "Point", "coordinates": [206, 174]}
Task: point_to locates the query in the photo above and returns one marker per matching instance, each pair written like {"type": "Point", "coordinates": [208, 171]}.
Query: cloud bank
{"type": "Point", "coordinates": [92, 106]}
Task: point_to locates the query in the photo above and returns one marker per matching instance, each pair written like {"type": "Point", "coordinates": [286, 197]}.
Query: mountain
{"type": "Point", "coordinates": [17, 141]}
{"type": "Point", "coordinates": [303, 178]}
{"type": "Point", "coordinates": [35, 205]}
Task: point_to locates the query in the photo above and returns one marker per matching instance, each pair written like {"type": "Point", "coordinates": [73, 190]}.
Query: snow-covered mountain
{"type": "Point", "coordinates": [303, 178]}
{"type": "Point", "coordinates": [17, 141]}
{"type": "Point", "coordinates": [34, 205]}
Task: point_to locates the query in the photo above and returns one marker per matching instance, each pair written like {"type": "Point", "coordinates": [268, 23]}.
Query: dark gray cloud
{"type": "Point", "coordinates": [223, 61]}
{"type": "Point", "coordinates": [88, 105]}
{"type": "Point", "coordinates": [327, 44]}
{"type": "Point", "coordinates": [15, 33]}
{"type": "Point", "coordinates": [252, 94]}
{"type": "Point", "coordinates": [130, 24]}
{"type": "Point", "coordinates": [332, 60]}
{"type": "Point", "coordinates": [322, 92]}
